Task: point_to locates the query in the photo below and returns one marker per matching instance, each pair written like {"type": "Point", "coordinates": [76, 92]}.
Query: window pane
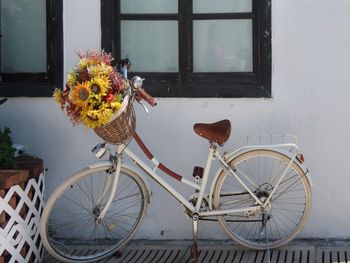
{"type": "Point", "coordinates": [222, 45]}
{"type": "Point", "coordinates": [152, 46]}
{"type": "Point", "coordinates": [221, 6]}
{"type": "Point", "coordinates": [23, 42]}
{"type": "Point", "coordinates": [148, 6]}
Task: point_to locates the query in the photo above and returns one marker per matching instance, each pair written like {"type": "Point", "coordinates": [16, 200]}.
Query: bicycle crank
{"type": "Point", "coordinates": [193, 200]}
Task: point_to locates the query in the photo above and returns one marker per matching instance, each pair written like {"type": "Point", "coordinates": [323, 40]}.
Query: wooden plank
{"type": "Point", "coordinates": [248, 256]}
{"type": "Point", "coordinates": [312, 255]}
{"type": "Point", "coordinates": [290, 256]}
{"type": "Point", "coordinates": [260, 256]}
{"type": "Point", "coordinates": [161, 255]}
{"type": "Point", "coordinates": [174, 255]}
{"type": "Point", "coordinates": [130, 256]}
{"type": "Point", "coordinates": [230, 255]}
{"type": "Point", "coordinates": [151, 255]}
{"type": "Point", "coordinates": [343, 256]}
{"type": "Point", "coordinates": [275, 256]}
{"type": "Point", "coordinates": [213, 255]}
{"type": "Point", "coordinates": [224, 256]}
{"type": "Point", "coordinates": [238, 257]}
{"type": "Point", "coordinates": [332, 254]}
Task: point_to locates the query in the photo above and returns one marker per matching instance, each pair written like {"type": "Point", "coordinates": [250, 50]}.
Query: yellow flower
{"type": "Point", "coordinates": [81, 93]}
{"type": "Point", "coordinates": [98, 69]}
{"type": "Point", "coordinates": [99, 86]}
{"type": "Point", "coordinates": [83, 63]}
{"type": "Point", "coordinates": [95, 118]}
{"type": "Point", "coordinates": [116, 105]}
{"type": "Point", "coordinates": [58, 96]}
{"type": "Point", "coordinates": [104, 115]}
{"type": "Point", "coordinates": [71, 78]}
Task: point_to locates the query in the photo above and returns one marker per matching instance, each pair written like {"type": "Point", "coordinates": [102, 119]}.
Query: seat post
{"type": "Point", "coordinates": [213, 145]}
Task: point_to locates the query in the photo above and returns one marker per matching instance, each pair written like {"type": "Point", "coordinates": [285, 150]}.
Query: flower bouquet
{"type": "Point", "coordinates": [94, 95]}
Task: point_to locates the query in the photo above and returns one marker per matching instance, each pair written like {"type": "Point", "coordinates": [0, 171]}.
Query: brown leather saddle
{"type": "Point", "coordinates": [218, 132]}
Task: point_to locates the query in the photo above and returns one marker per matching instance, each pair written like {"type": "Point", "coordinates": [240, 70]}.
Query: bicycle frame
{"type": "Point", "coordinates": [200, 188]}
{"type": "Point", "coordinates": [176, 194]}
{"type": "Point", "coordinates": [288, 149]}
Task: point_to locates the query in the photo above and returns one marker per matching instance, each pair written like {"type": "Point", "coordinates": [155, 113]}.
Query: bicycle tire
{"type": "Point", "coordinates": [289, 207]}
{"type": "Point", "coordinates": [69, 230]}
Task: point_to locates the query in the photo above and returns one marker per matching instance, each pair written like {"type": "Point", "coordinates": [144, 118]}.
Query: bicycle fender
{"type": "Point", "coordinates": [100, 164]}
{"type": "Point", "coordinates": [289, 154]}
{"type": "Point", "coordinates": [281, 149]}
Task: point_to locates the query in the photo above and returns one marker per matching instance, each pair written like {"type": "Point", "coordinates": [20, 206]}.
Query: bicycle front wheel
{"type": "Point", "coordinates": [69, 227]}
{"type": "Point", "coordinates": [287, 210]}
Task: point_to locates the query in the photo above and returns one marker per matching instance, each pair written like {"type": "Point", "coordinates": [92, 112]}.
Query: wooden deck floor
{"type": "Point", "coordinates": [320, 252]}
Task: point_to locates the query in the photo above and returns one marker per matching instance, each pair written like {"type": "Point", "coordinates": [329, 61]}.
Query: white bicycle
{"type": "Point", "coordinates": [260, 195]}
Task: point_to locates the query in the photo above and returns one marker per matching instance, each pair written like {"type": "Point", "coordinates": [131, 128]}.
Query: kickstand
{"type": "Point", "coordinates": [264, 232]}
{"type": "Point", "coordinates": [267, 246]}
{"type": "Point", "coordinates": [194, 247]}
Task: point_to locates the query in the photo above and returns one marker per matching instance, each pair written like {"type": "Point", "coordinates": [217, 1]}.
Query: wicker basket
{"type": "Point", "coordinates": [122, 126]}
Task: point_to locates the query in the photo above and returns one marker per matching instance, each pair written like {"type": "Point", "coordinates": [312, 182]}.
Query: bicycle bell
{"type": "Point", "coordinates": [137, 82]}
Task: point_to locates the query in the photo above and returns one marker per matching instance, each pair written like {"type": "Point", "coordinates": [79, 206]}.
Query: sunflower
{"type": "Point", "coordinates": [99, 85]}
{"type": "Point", "coordinates": [81, 93]}
{"type": "Point", "coordinates": [98, 69]}
{"type": "Point", "coordinates": [58, 96]}
{"type": "Point", "coordinates": [116, 105]}
{"type": "Point", "coordinates": [95, 118]}
{"type": "Point", "coordinates": [71, 78]}
{"type": "Point", "coordinates": [84, 63]}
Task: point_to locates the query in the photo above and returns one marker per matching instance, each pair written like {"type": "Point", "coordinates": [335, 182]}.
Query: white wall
{"type": "Point", "coordinates": [311, 99]}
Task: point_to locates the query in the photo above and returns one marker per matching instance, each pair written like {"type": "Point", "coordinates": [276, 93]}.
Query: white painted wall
{"type": "Point", "coordinates": [311, 98]}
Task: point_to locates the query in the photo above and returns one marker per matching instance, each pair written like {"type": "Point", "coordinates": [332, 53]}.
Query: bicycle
{"type": "Point", "coordinates": [260, 195]}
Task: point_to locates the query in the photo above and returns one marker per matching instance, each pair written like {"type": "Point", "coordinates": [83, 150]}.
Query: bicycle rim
{"type": "Point", "coordinates": [70, 231]}
{"type": "Point", "coordinates": [287, 211]}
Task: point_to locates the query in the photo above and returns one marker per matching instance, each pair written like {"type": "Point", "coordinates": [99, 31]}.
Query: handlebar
{"type": "Point", "coordinates": [143, 95]}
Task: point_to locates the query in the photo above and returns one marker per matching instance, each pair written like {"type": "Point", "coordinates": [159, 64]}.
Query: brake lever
{"type": "Point", "coordinates": [144, 107]}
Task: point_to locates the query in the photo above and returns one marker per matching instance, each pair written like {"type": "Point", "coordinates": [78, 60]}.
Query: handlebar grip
{"type": "Point", "coordinates": [142, 94]}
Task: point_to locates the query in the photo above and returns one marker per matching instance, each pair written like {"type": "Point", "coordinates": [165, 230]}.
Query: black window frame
{"type": "Point", "coordinates": [41, 84]}
{"type": "Point", "coordinates": [185, 83]}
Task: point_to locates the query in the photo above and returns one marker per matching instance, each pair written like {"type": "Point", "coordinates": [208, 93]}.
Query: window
{"type": "Point", "coordinates": [193, 48]}
{"type": "Point", "coordinates": [31, 60]}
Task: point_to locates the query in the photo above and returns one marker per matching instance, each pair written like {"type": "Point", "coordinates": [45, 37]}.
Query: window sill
{"type": "Point", "coordinates": [26, 90]}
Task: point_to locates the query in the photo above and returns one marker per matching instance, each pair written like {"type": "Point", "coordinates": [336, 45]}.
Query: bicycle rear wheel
{"type": "Point", "coordinates": [69, 227]}
{"type": "Point", "coordinates": [287, 211]}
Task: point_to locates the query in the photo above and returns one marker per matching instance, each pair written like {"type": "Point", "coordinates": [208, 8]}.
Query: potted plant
{"type": "Point", "coordinates": [6, 150]}
{"type": "Point", "coordinates": [7, 160]}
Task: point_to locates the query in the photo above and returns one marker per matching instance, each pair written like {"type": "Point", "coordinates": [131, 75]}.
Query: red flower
{"type": "Point", "coordinates": [109, 97]}
{"type": "Point", "coordinates": [83, 75]}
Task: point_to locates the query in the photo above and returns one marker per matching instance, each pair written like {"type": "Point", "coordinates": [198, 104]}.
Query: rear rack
{"type": "Point", "coordinates": [264, 140]}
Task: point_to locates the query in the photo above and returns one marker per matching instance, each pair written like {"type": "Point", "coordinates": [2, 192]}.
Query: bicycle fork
{"type": "Point", "coordinates": [113, 191]}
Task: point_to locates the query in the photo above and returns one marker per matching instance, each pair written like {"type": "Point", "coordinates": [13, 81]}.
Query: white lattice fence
{"type": "Point", "coordinates": [20, 210]}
